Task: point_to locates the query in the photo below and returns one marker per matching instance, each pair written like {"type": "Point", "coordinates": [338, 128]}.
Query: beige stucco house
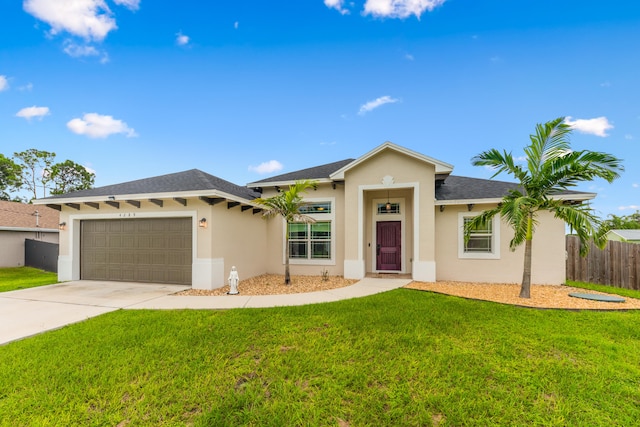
{"type": "Point", "coordinates": [392, 210]}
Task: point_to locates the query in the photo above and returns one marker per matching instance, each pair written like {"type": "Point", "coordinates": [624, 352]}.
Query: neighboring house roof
{"type": "Point", "coordinates": [627, 234]}
{"type": "Point", "coordinates": [440, 166]}
{"type": "Point", "coordinates": [15, 215]}
{"type": "Point", "coordinates": [322, 172]}
{"type": "Point", "coordinates": [193, 180]}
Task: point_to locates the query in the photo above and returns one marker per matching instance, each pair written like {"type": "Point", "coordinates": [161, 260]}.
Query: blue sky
{"type": "Point", "coordinates": [245, 90]}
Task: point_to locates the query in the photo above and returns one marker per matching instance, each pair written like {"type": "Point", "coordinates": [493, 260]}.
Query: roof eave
{"type": "Point", "coordinates": [144, 196]}
{"type": "Point", "coordinates": [285, 183]}
{"type": "Point", "coordinates": [493, 200]}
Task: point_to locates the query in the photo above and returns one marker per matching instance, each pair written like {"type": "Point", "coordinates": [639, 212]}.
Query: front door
{"type": "Point", "coordinates": [388, 244]}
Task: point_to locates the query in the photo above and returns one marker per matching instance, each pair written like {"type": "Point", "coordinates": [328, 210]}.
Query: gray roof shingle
{"type": "Point", "coordinates": [191, 180]}
{"type": "Point", "coordinates": [464, 188]}
{"type": "Point", "coordinates": [317, 172]}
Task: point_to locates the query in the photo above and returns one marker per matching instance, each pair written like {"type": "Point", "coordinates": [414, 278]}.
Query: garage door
{"type": "Point", "coordinates": [156, 250]}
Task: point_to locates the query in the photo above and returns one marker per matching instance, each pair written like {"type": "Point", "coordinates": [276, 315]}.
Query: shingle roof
{"type": "Point", "coordinates": [317, 172]}
{"type": "Point", "coordinates": [21, 215]}
{"type": "Point", "coordinates": [191, 180]}
{"type": "Point", "coordinates": [464, 188]}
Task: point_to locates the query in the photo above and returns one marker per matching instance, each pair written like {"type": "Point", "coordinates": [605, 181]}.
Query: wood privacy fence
{"type": "Point", "coordinates": [618, 264]}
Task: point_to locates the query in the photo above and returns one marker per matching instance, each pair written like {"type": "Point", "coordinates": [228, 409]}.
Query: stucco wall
{"type": "Point", "coordinates": [275, 237]}
{"type": "Point", "coordinates": [12, 245]}
{"type": "Point", "coordinates": [549, 255]}
{"type": "Point", "coordinates": [405, 174]}
{"type": "Point", "coordinates": [240, 238]}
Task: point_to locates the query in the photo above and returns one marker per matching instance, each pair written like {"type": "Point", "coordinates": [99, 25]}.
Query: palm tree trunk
{"type": "Point", "coordinates": [525, 289]}
{"type": "Point", "coordinates": [287, 276]}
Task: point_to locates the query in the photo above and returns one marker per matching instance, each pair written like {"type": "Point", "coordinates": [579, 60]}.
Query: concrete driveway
{"type": "Point", "coordinates": [31, 311]}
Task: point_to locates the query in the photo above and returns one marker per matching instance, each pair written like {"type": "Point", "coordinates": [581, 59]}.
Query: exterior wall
{"type": "Point", "coordinates": [399, 174]}
{"type": "Point", "coordinates": [12, 244]}
{"type": "Point", "coordinates": [276, 237]}
{"type": "Point", "coordinates": [240, 239]}
{"type": "Point", "coordinates": [241, 233]}
{"type": "Point", "coordinates": [548, 252]}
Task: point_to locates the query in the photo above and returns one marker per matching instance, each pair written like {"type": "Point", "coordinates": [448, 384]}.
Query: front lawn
{"type": "Point", "coordinates": [605, 288]}
{"type": "Point", "coordinates": [13, 278]}
{"type": "Point", "coordinates": [404, 357]}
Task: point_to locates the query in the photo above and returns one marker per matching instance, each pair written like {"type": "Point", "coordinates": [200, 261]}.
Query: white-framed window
{"type": "Point", "coordinates": [484, 241]}
{"type": "Point", "coordinates": [314, 242]}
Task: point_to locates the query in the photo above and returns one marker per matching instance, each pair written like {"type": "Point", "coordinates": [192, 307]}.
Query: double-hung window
{"type": "Point", "coordinates": [312, 242]}
{"type": "Point", "coordinates": [484, 240]}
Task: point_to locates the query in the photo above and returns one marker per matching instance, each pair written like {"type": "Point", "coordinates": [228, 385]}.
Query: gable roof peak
{"type": "Point", "coordinates": [441, 167]}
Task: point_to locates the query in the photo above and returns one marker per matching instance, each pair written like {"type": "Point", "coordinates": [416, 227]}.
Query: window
{"type": "Point", "coordinates": [483, 241]}
{"type": "Point", "coordinates": [312, 243]}
{"type": "Point", "coordinates": [480, 239]}
{"type": "Point", "coordinates": [394, 208]}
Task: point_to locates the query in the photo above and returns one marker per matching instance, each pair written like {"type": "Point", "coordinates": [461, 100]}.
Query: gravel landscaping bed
{"type": "Point", "coordinates": [542, 296]}
{"type": "Point", "coordinates": [273, 284]}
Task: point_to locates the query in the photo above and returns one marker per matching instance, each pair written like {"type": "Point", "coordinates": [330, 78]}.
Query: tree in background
{"type": "Point", "coordinates": [625, 222]}
{"type": "Point", "coordinates": [10, 177]}
{"type": "Point", "coordinates": [551, 167]}
{"type": "Point", "coordinates": [287, 204]}
{"type": "Point", "coordinates": [69, 176]}
{"type": "Point", "coordinates": [36, 170]}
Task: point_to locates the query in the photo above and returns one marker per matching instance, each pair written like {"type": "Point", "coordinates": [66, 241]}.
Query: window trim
{"type": "Point", "coordinates": [495, 238]}
{"type": "Point", "coordinates": [322, 217]}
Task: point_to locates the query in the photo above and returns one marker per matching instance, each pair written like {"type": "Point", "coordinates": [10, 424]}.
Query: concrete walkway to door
{"type": "Point", "coordinates": [31, 311]}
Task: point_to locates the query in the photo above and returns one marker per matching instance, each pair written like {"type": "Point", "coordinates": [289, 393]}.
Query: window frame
{"type": "Point", "coordinates": [495, 238]}
{"type": "Point", "coordinates": [329, 217]}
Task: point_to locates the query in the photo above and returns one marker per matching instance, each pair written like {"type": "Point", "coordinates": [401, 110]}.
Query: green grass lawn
{"type": "Point", "coordinates": [24, 277]}
{"type": "Point", "coordinates": [605, 288]}
{"type": "Point", "coordinates": [402, 358]}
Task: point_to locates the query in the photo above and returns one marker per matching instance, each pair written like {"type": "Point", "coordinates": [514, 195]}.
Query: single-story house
{"type": "Point", "coordinates": [629, 236]}
{"type": "Point", "coordinates": [392, 210]}
{"type": "Point", "coordinates": [20, 221]}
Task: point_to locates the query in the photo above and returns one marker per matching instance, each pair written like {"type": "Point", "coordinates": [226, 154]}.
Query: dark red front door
{"type": "Point", "coordinates": [388, 243]}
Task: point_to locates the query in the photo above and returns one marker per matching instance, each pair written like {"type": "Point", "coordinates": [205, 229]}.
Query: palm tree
{"type": "Point", "coordinates": [551, 168]}
{"type": "Point", "coordinates": [287, 204]}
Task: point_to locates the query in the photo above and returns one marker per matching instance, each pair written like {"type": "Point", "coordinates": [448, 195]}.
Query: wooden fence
{"type": "Point", "coordinates": [618, 264]}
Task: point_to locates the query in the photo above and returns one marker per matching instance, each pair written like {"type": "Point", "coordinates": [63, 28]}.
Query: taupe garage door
{"type": "Point", "coordinates": [156, 250]}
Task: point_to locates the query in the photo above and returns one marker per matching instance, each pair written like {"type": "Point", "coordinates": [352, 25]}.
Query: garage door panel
{"type": "Point", "coordinates": [157, 250]}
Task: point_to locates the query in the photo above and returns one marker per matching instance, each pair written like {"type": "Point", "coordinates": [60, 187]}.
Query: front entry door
{"type": "Point", "coordinates": [388, 244]}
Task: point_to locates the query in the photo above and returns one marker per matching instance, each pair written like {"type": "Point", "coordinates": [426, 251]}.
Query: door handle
{"type": "Point", "coordinates": [378, 249]}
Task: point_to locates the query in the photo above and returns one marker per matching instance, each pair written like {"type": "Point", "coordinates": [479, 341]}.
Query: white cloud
{"type": "Point", "coordinates": [182, 39]}
{"type": "Point", "coordinates": [371, 105]}
{"type": "Point", "coordinates": [399, 8]}
{"type": "Point", "coordinates": [28, 87]}
{"type": "Point", "coordinates": [635, 185]}
{"type": "Point", "coordinates": [337, 5]}
{"type": "Point", "coordinates": [89, 19]}
{"type": "Point", "coordinates": [628, 136]}
{"type": "Point", "coordinates": [236, 24]}
{"type": "Point", "coordinates": [267, 167]}
{"type": "Point", "coordinates": [408, 57]}
{"type": "Point", "coordinates": [98, 126]}
{"type": "Point", "coordinates": [629, 208]}
{"type": "Point", "coordinates": [4, 83]}
{"type": "Point", "coordinates": [31, 112]}
{"type": "Point", "coordinates": [605, 84]}
{"type": "Point", "coordinates": [597, 126]}
{"type": "Point", "coordinates": [75, 50]}
{"type": "Point", "coordinates": [129, 4]}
